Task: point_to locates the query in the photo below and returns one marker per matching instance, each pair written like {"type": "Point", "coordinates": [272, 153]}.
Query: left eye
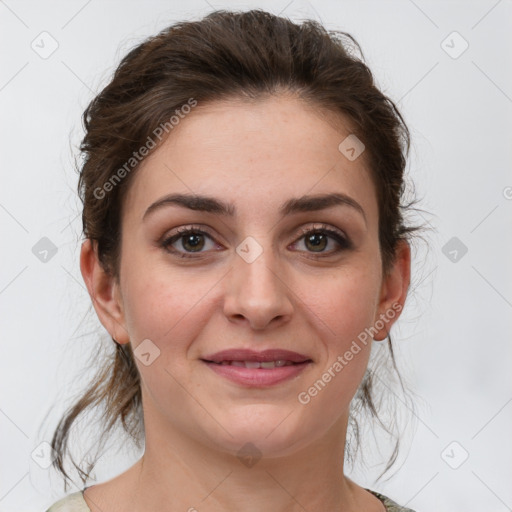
{"type": "Point", "coordinates": [193, 240]}
{"type": "Point", "coordinates": [318, 239]}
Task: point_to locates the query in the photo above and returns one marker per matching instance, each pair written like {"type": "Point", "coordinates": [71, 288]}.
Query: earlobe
{"type": "Point", "coordinates": [395, 285]}
{"type": "Point", "coordinates": [104, 292]}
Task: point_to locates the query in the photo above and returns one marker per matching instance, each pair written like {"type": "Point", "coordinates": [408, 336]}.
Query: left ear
{"type": "Point", "coordinates": [395, 284]}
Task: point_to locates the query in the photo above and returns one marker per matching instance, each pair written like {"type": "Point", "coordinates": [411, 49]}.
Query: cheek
{"type": "Point", "coordinates": [168, 308]}
{"type": "Point", "coordinates": [342, 312]}
{"type": "Point", "coordinates": [345, 303]}
{"type": "Point", "coordinates": [163, 305]}
{"type": "Point", "coordinates": [342, 309]}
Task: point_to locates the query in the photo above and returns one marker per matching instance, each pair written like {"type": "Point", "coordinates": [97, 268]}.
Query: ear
{"type": "Point", "coordinates": [104, 291]}
{"type": "Point", "coordinates": [393, 293]}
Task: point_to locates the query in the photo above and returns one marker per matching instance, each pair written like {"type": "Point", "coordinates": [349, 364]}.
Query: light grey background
{"type": "Point", "coordinates": [453, 340]}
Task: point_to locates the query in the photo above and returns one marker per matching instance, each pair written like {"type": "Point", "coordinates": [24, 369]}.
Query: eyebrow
{"type": "Point", "coordinates": [216, 206]}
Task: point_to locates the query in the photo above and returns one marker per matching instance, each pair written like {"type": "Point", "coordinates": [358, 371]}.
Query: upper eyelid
{"type": "Point", "coordinates": [318, 226]}
{"type": "Point", "coordinates": [322, 226]}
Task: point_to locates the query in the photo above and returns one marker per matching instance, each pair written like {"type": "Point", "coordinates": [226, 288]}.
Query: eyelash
{"type": "Point", "coordinates": [344, 243]}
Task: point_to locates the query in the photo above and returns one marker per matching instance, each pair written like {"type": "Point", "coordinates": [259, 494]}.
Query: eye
{"type": "Point", "coordinates": [186, 241]}
{"type": "Point", "coordinates": [316, 240]}
{"type": "Point", "coordinates": [190, 239]}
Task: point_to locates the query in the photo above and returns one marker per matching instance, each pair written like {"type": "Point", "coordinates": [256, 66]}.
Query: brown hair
{"type": "Point", "coordinates": [224, 55]}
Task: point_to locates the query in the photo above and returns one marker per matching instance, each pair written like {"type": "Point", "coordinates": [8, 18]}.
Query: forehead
{"type": "Point", "coordinates": [255, 154]}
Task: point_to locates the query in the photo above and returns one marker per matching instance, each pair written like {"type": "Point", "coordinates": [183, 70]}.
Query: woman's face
{"type": "Point", "coordinates": [251, 279]}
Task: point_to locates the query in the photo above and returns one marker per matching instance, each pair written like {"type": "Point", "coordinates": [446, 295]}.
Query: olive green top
{"type": "Point", "coordinates": [75, 503]}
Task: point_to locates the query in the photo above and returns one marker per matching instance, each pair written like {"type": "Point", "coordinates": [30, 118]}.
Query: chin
{"type": "Point", "coordinates": [270, 435]}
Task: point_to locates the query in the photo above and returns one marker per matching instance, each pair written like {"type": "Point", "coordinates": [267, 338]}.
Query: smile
{"type": "Point", "coordinates": [257, 364]}
{"type": "Point", "coordinates": [258, 374]}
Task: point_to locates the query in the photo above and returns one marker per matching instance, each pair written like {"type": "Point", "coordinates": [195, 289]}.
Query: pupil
{"type": "Point", "coordinates": [320, 240]}
{"type": "Point", "coordinates": [193, 240]}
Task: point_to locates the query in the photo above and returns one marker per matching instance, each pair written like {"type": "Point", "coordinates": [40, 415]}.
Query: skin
{"type": "Point", "coordinates": [268, 151]}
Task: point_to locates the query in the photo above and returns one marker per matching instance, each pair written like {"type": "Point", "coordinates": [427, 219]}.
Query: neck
{"type": "Point", "coordinates": [178, 472]}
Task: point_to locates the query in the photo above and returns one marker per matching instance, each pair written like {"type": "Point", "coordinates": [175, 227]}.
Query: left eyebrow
{"type": "Point", "coordinates": [320, 202]}
{"type": "Point", "coordinates": [210, 204]}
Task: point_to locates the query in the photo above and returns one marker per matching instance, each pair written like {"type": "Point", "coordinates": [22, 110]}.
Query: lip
{"type": "Point", "coordinates": [257, 377]}
{"type": "Point", "coordinates": [253, 355]}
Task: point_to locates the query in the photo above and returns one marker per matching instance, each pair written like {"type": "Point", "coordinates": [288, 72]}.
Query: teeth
{"type": "Point", "coordinates": [258, 364]}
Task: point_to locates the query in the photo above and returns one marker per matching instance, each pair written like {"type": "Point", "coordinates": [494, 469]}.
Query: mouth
{"type": "Point", "coordinates": [257, 369]}
{"type": "Point", "coordinates": [267, 365]}
{"type": "Point", "coordinates": [279, 357]}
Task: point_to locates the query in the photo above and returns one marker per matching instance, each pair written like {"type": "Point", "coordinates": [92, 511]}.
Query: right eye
{"type": "Point", "coordinates": [191, 239]}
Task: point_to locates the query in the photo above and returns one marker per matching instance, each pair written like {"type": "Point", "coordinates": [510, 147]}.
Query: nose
{"type": "Point", "coordinates": [256, 292]}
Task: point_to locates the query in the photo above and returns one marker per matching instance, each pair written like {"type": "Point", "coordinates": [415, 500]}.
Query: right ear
{"type": "Point", "coordinates": [104, 292]}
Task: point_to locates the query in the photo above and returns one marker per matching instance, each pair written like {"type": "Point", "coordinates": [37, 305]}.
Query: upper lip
{"type": "Point", "coordinates": [253, 355]}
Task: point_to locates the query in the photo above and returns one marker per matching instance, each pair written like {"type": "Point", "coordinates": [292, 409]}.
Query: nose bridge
{"type": "Point", "coordinates": [260, 273]}
{"type": "Point", "coordinates": [256, 290]}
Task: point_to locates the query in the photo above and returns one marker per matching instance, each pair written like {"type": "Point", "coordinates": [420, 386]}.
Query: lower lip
{"type": "Point", "coordinates": [257, 377]}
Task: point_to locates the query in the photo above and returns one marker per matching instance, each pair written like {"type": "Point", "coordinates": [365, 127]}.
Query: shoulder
{"type": "Point", "coordinates": [71, 503]}
{"type": "Point", "coordinates": [390, 505]}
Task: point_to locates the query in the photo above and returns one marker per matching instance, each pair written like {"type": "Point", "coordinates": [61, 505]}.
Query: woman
{"type": "Point", "coordinates": [244, 246]}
